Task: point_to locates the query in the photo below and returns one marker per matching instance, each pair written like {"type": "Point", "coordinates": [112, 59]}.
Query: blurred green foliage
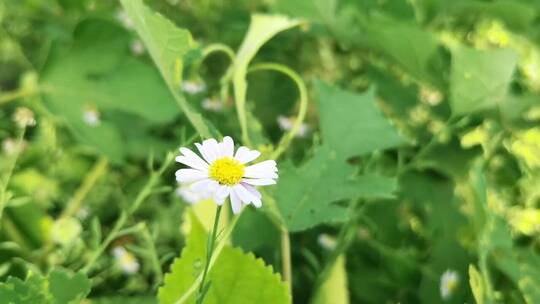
{"type": "Point", "coordinates": [420, 157]}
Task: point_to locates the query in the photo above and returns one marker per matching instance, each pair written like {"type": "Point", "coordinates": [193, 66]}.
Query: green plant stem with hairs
{"type": "Point", "coordinates": [203, 287]}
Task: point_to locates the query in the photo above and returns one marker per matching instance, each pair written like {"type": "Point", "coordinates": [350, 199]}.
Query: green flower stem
{"type": "Point", "coordinates": [203, 287]}
{"type": "Point", "coordinates": [220, 244]}
{"type": "Point", "coordinates": [99, 169]}
{"type": "Point", "coordinates": [286, 266]}
{"type": "Point", "coordinates": [14, 95]}
{"type": "Point", "coordinates": [303, 102]}
{"type": "Point", "coordinates": [121, 221]}
{"type": "Point", "coordinates": [4, 197]}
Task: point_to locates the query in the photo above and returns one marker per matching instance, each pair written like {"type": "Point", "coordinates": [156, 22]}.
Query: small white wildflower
{"type": "Point", "coordinates": [193, 87]}
{"type": "Point", "coordinates": [326, 241]}
{"type": "Point", "coordinates": [189, 195]}
{"type": "Point", "coordinates": [449, 283]}
{"type": "Point", "coordinates": [9, 146]}
{"type": "Point", "coordinates": [126, 21]}
{"type": "Point", "coordinates": [137, 47]}
{"type": "Point", "coordinates": [212, 104]}
{"type": "Point", "coordinates": [286, 124]}
{"type": "Point", "coordinates": [223, 173]}
{"type": "Point", "coordinates": [83, 213]}
{"type": "Point", "coordinates": [24, 117]}
{"type": "Point", "coordinates": [127, 261]}
{"type": "Point", "coordinates": [91, 116]}
{"type": "Point", "coordinates": [430, 96]}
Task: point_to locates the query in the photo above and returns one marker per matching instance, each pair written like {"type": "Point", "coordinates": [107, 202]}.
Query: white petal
{"type": "Point", "coordinates": [259, 181]}
{"type": "Point", "coordinates": [189, 158]}
{"type": "Point", "coordinates": [211, 148]}
{"type": "Point", "coordinates": [227, 147]}
{"type": "Point", "coordinates": [236, 204]}
{"type": "Point", "coordinates": [257, 203]}
{"type": "Point", "coordinates": [208, 157]}
{"type": "Point", "coordinates": [245, 196]}
{"type": "Point", "coordinates": [245, 155]}
{"type": "Point", "coordinates": [265, 169]}
{"type": "Point", "coordinates": [205, 186]}
{"type": "Point", "coordinates": [190, 175]}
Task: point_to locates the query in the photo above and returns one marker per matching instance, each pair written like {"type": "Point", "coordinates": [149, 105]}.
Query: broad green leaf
{"type": "Point", "coordinates": [352, 124]}
{"type": "Point", "coordinates": [68, 288]}
{"type": "Point", "coordinates": [167, 44]}
{"type": "Point", "coordinates": [307, 196]}
{"type": "Point", "coordinates": [261, 29]}
{"type": "Point", "coordinates": [334, 290]}
{"type": "Point", "coordinates": [59, 287]}
{"type": "Point", "coordinates": [236, 277]}
{"type": "Point", "coordinates": [479, 80]}
{"type": "Point", "coordinates": [313, 10]}
{"type": "Point", "coordinates": [97, 73]}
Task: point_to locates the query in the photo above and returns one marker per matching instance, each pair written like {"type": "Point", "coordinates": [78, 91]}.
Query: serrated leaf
{"type": "Point", "coordinates": [236, 277]}
{"type": "Point", "coordinates": [68, 288]}
{"type": "Point", "coordinates": [479, 80]}
{"type": "Point", "coordinates": [59, 287]}
{"type": "Point", "coordinates": [167, 45]}
{"type": "Point", "coordinates": [334, 290]}
{"type": "Point", "coordinates": [352, 124]}
{"type": "Point", "coordinates": [307, 196]}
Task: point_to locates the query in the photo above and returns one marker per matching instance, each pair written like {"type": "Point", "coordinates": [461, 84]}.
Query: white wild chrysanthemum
{"type": "Point", "coordinates": [137, 47]}
{"type": "Point", "coordinates": [449, 283]}
{"type": "Point", "coordinates": [127, 262]}
{"type": "Point", "coordinates": [286, 124]}
{"type": "Point", "coordinates": [222, 173]}
{"type": "Point", "coordinates": [212, 104]}
{"type": "Point", "coordinates": [91, 117]}
{"type": "Point", "coordinates": [193, 87]}
{"type": "Point", "coordinates": [24, 117]}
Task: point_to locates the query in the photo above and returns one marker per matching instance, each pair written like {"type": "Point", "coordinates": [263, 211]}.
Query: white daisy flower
{"type": "Point", "coordinates": [193, 87]}
{"type": "Point", "coordinates": [221, 173]}
{"type": "Point", "coordinates": [449, 283]}
{"type": "Point", "coordinates": [286, 124]}
{"type": "Point", "coordinates": [326, 241]}
{"type": "Point", "coordinates": [127, 262]}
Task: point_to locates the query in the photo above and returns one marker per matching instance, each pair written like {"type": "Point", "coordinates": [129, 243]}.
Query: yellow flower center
{"type": "Point", "coordinates": [227, 171]}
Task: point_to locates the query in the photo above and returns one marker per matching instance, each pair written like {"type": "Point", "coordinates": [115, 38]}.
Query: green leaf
{"type": "Point", "coordinates": [234, 278]}
{"type": "Point", "coordinates": [314, 10]}
{"type": "Point", "coordinates": [96, 72]}
{"type": "Point", "coordinates": [334, 290]}
{"type": "Point", "coordinates": [59, 287]}
{"type": "Point", "coordinates": [167, 45]}
{"type": "Point", "coordinates": [307, 196]}
{"type": "Point", "coordinates": [68, 288]}
{"type": "Point", "coordinates": [352, 124]}
{"type": "Point", "coordinates": [479, 80]}
{"type": "Point", "coordinates": [523, 268]}
{"type": "Point", "coordinates": [477, 284]}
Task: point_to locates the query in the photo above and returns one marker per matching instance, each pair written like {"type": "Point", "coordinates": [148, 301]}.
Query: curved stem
{"type": "Point", "coordinates": [286, 266]}
{"type": "Point", "coordinates": [302, 91]}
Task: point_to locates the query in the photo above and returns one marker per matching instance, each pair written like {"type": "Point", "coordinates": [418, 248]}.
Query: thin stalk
{"type": "Point", "coordinates": [156, 265]}
{"type": "Point", "coordinates": [120, 223]}
{"type": "Point", "coordinates": [90, 180]}
{"type": "Point", "coordinates": [3, 191]}
{"type": "Point", "coordinates": [209, 251]}
{"type": "Point", "coordinates": [286, 265]}
{"type": "Point", "coordinates": [14, 95]}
